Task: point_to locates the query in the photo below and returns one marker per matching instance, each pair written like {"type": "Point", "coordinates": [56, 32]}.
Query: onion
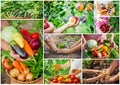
{"type": "Point", "coordinates": [21, 77]}
{"type": "Point", "coordinates": [29, 76]}
{"type": "Point", "coordinates": [14, 72]}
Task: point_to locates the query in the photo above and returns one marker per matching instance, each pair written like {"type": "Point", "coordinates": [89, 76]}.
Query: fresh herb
{"type": "Point", "coordinates": [22, 9]}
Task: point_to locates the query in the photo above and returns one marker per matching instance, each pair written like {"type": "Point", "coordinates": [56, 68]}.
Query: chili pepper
{"type": "Point", "coordinates": [28, 49]}
{"type": "Point", "coordinates": [26, 34]}
{"type": "Point", "coordinates": [19, 50]}
{"type": "Point", "coordinates": [35, 35]}
{"type": "Point", "coordinates": [17, 37]}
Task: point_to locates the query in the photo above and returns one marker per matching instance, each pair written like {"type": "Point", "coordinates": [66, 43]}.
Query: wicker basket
{"type": "Point", "coordinates": [23, 82]}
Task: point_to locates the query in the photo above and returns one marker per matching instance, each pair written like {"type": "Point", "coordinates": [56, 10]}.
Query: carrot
{"type": "Point", "coordinates": [23, 66]}
{"type": "Point", "coordinates": [28, 49]}
{"type": "Point", "coordinates": [17, 65]}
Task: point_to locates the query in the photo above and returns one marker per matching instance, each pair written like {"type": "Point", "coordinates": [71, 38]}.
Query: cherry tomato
{"type": "Point", "coordinates": [72, 76]}
{"type": "Point", "coordinates": [55, 81]}
{"type": "Point", "coordinates": [57, 76]}
{"type": "Point", "coordinates": [60, 78]}
{"type": "Point", "coordinates": [7, 64]}
{"type": "Point", "coordinates": [35, 35]}
{"type": "Point", "coordinates": [76, 81]}
{"type": "Point", "coordinates": [104, 53]}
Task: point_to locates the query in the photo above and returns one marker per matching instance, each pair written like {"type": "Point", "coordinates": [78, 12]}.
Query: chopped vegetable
{"type": "Point", "coordinates": [17, 37]}
{"type": "Point", "coordinates": [8, 32]}
{"type": "Point", "coordinates": [14, 72]}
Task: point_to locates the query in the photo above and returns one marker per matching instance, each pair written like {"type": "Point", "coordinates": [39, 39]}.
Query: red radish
{"type": "Point", "coordinates": [46, 25]}
{"type": "Point", "coordinates": [73, 19]}
{"type": "Point", "coordinates": [80, 6]}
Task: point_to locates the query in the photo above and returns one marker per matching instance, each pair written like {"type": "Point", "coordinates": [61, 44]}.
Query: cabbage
{"type": "Point", "coordinates": [91, 43]}
{"type": "Point", "coordinates": [8, 32]}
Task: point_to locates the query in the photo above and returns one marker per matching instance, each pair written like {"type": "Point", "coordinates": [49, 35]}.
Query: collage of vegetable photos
{"type": "Point", "coordinates": [60, 42]}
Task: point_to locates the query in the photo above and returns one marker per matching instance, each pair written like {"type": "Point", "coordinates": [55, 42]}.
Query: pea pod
{"type": "Point", "coordinates": [19, 50]}
{"type": "Point", "coordinates": [17, 37]}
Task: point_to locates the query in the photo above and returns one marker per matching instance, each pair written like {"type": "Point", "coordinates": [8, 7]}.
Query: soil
{"type": "Point", "coordinates": [48, 53]}
{"type": "Point", "coordinates": [5, 79]}
{"type": "Point", "coordinates": [98, 66]}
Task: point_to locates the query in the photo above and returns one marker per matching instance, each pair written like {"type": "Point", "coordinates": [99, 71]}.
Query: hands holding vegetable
{"type": "Point", "coordinates": [49, 27]}
{"type": "Point", "coordinates": [18, 43]}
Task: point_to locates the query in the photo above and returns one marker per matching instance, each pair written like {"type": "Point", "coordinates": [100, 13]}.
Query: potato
{"type": "Point", "coordinates": [29, 76]}
{"type": "Point", "coordinates": [14, 72]}
{"type": "Point", "coordinates": [21, 77]}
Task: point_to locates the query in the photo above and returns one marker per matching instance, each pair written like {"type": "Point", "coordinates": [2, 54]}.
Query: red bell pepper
{"type": "Point", "coordinates": [35, 35]}
{"type": "Point", "coordinates": [25, 33]}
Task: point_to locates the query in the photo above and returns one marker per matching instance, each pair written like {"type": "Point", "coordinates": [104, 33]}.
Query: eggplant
{"type": "Point", "coordinates": [35, 43]}
{"type": "Point", "coordinates": [20, 51]}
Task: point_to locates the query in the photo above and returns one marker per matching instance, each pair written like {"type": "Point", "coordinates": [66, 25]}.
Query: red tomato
{"type": "Point", "coordinates": [55, 81]}
{"type": "Point", "coordinates": [57, 76]}
{"type": "Point", "coordinates": [35, 35]}
{"type": "Point", "coordinates": [76, 81]}
{"type": "Point", "coordinates": [72, 76]}
{"type": "Point", "coordinates": [60, 78]}
{"type": "Point", "coordinates": [104, 53]}
{"type": "Point", "coordinates": [7, 64]}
